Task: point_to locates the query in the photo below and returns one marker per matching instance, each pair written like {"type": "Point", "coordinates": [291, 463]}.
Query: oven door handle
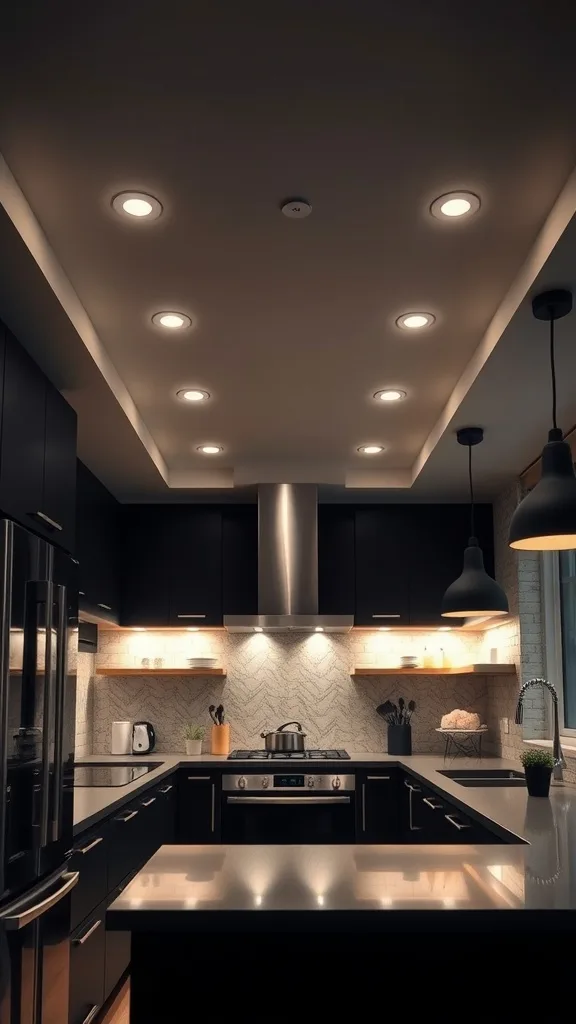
{"type": "Point", "coordinates": [288, 800]}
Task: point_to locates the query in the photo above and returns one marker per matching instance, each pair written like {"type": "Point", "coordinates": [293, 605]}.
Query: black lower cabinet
{"type": "Point", "coordinates": [198, 816]}
{"type": "Point", "coordinates": [90, 859]}
{"type": "Point", "coordinates": [87, 964]}
{"type": "Point", "coordinates": [167, 797]}
{"type": "Point", "coordinates": [117, 959]}
{"type": "Point", "coordinates": [428, 817]}
{"type": "Point", "coordinates": [377, 819]}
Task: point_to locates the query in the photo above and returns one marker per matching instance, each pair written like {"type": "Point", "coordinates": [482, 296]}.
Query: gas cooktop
{"type": "Point", "coordinates": [294, 755]}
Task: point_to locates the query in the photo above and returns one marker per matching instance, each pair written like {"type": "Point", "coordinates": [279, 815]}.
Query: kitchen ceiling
{"type": "Point", "coordinates": [223, 111]}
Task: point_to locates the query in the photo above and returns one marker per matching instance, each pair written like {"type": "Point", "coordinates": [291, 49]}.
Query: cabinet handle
{"type": "Point", "coordinates": [363, 806]}
{"type": "Point", "coordinates": [147, 803]}
{"type": "Point", "coordinates": [127, 817]}
{"type": "Point", "coordinates": [386, 615]}
{"type": "Point", "coordinates": [412, 787]}
{"type": "Point", "coordinates": [190, 615]}
{"type": "Point", "coordinates": [378, 778]}
{"type": "Point", "coordinates": [198, 778]}
{"type": "Point", "coordinates": [454, 821]}
{"type": "Point", "coordinates": [46, 520]}
{"type": "Point", "coordinates": [431, 805]}
{"type": "Point", "coordinates": [86, 849]}
{"type": "Point", "coordinates": [106, 607]}
{"type": "Point", "coordinates": [91, 1016]}
{"type": "Point", "coordinates": [84, 938]}
{"type": "Point", "coordinates": [213, 822]}
{"type": "Point", "coordinates": [165, 790]}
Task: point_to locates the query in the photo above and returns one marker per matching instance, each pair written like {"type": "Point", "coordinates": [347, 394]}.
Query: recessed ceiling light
{"type": "Point", "coordinates": [137, 204]}
{"type": "Point", "coordinates": [415, 321]}
{"type": "Point", "coordinates": [209, 449]}
{"type": "Point", "coordinates": [455, 204]}
{"type": "Point", "coordinates": [318, 629]}
{"type": "Point", "coordinates": [296, 209]}
{"type": "Point", "coordinates": [390, 395]}
{"type": "Point", "coordinates": [258, 629]}
{"type": "Point", "coordinates": [171, 321]}
{"type": "Point", "coordinates": [370, 449]}
{"type": "Point", "coordinates": [192, 395]}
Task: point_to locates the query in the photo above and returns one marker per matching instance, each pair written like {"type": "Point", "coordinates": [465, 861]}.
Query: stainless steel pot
{"type": "Point", "coordinates": [284, 742]}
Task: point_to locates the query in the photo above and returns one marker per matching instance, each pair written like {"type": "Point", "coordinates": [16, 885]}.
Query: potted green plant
{"type": "Point", "coordinates": [194, 735]}
{"type": "Point", "coordinates": [538, 765]}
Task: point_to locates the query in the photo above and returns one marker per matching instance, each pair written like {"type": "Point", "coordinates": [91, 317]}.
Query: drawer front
{"type": "Point", "coordinates": [117, 951]}
{"type": "Point", "coordinates": [90, 859]}
{"type": "Point", "coordinates": [126, 840]}
{"type": "Point", "coordinates": [87, 961]}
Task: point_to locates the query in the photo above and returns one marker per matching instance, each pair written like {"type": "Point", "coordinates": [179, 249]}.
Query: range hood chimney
{"type": "Point", "coordinates": [288, 564]}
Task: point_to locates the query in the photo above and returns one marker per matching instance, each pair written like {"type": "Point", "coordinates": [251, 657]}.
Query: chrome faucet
{"type": "Point", "coordinates": [559, 762]}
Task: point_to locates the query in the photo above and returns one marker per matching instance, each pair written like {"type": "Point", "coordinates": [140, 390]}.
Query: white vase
{"type": "Point", "coordinates": [193, 747]}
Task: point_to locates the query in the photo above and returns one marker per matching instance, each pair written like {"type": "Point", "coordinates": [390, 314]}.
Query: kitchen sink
{"type": "Point", "coordinates": [485, 777]}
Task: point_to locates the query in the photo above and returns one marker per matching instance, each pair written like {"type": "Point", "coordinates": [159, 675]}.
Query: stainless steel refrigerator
{"type": "Point", "coordinates": [38, 653]}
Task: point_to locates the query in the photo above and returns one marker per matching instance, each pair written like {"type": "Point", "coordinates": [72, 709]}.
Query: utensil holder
{"type": "Point", "coordinates": [399, 739]}
{"type": "Point", "coordinates": [220, 739]}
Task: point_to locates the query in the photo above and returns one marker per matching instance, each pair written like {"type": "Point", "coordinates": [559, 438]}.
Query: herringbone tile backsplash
{"type": "Point", "coordinates": [274, 678]}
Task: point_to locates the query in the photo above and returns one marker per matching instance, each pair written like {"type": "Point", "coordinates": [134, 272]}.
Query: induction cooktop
{"type": "Point", "coordinates": [111, 774]}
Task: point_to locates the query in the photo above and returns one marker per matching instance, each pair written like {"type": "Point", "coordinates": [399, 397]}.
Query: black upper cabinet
{"type": "Point", "coordinates": [97, 527]}
{"type": "Point", "coordinates": [23, 432]}
{"type": "Point", "coordinates": [195, 558]}
{"type": "Point", "coordinates": [336, 560]}
{"type": "Point", "coordinates": [38, 450]}
{"type": "Point", "coordinates": [59, 501]}
{"type": "Point", "coordinates": [171, 558]}
{"type": "Point", "coordinates": [439, 535]}
{"type": "Point", "coordinates": [382, 569]}
{"type": "Point", "coordinates": [406, 557]}
{"type": "Point", "coordinates": [144, 566]}
{"type": "Point", "coordinates": [240, 559]}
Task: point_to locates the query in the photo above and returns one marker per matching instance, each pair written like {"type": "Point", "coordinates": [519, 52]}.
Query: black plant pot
{"type": "Point", "coordinates": [399, 739]}
{"type": "Point", "coordinates": [537, 779]}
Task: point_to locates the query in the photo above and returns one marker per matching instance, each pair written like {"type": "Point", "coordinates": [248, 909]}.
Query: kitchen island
{"type": "Point", "coordinates": [296, 912]}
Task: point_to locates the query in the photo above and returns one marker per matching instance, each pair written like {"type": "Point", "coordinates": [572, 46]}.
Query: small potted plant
{"type": "Point", "coordinates": [194, 735]}
{"type": "Point", "coordinates": [538, 765]}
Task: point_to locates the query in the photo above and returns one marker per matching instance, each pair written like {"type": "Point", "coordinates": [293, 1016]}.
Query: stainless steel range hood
{"type": "Point", "coordinates": [288, 564]}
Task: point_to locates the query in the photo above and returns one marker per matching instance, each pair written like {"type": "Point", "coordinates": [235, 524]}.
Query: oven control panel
{"type": "Point", "coordinates": [288, 782]}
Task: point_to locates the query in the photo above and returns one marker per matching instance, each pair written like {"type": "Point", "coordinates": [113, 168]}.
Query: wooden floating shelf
{"type": "Point", "coordinates": [461, 670]}
{"type": "Point", "coordinates": [161, 671]}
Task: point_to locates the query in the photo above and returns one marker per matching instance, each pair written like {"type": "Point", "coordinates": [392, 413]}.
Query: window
{"type": "Point", "coordinates": [559, 579]}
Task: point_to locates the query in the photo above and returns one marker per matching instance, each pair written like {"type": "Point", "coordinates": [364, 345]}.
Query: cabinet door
{"type": "Point", "coordinates": [378, 806]}
{"type": "Point", "coordinates": [87, 963]}
{"type": "Point", "coordinates": [97, 524]}
{"type": "Point", "coordinates": [167, 794]}
{"type": "Point", "coordinates": [336, 560]}
{"type": "Point", "coordinates": [194, 538]}
{"type": "Point", "coordinates": [240, 560]}
{"type": "Point", "coordinates": [90, 858]}
{"type": "Point", "coordinates": [59, 499]}
{"type": "Point", "coordinates": [145, 566]}
{"type": "Point", "coordinates": [127, 843]}
{"type": "Point", "coordinates": [23, 428]}
{"type": "Point", "coordinates": [198, 811]}
{"type": "Point", "coordinates": [382, 580]}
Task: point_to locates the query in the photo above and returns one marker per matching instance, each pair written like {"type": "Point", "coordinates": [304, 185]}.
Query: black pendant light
{"type": "Point", "coordinates": [474, 592]}
{"type": "Point", "coordinates": [546, 519]}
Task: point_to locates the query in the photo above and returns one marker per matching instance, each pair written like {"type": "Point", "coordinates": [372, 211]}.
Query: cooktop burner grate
{"type": "Point", "coordinates": [295, 755]}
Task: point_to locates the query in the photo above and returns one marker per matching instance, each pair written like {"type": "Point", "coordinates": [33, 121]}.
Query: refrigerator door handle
{"type": "Point", "coordinates": [48, 731]}
{"type": "Point", "coordinates": [14, 922]}
{"type": "Point", "coordinates": [6, 559]}
{"type": "Point", "coordinates": [61, 668]}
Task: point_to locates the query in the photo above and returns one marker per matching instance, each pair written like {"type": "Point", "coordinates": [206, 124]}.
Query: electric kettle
{"type": "Point", "coordinates": [143, 738]}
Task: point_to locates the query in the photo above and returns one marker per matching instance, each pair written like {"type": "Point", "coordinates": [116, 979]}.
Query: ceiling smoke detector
{"type": "Point", "coordinates": [296, 209]}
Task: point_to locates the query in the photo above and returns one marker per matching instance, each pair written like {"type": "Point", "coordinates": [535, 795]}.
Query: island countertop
{"type": "Point", "coordinates": [197, 882]}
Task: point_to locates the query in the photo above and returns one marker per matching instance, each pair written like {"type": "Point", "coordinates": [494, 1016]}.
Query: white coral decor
{"type": "Point", "coordinates": [460, 720]}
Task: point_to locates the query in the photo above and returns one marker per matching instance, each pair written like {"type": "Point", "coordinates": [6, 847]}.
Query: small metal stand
{"type": "Point", "coordinates": [462, 742]}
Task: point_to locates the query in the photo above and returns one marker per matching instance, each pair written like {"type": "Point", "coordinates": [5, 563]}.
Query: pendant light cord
{"type": "Point", "coordinates": [472, 534]}
{"type": "Point", "coordinates": [553, 374]}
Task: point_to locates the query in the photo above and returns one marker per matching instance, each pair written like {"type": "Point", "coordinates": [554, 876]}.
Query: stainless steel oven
{"type": "Point", "coordinates": [288, 807]}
